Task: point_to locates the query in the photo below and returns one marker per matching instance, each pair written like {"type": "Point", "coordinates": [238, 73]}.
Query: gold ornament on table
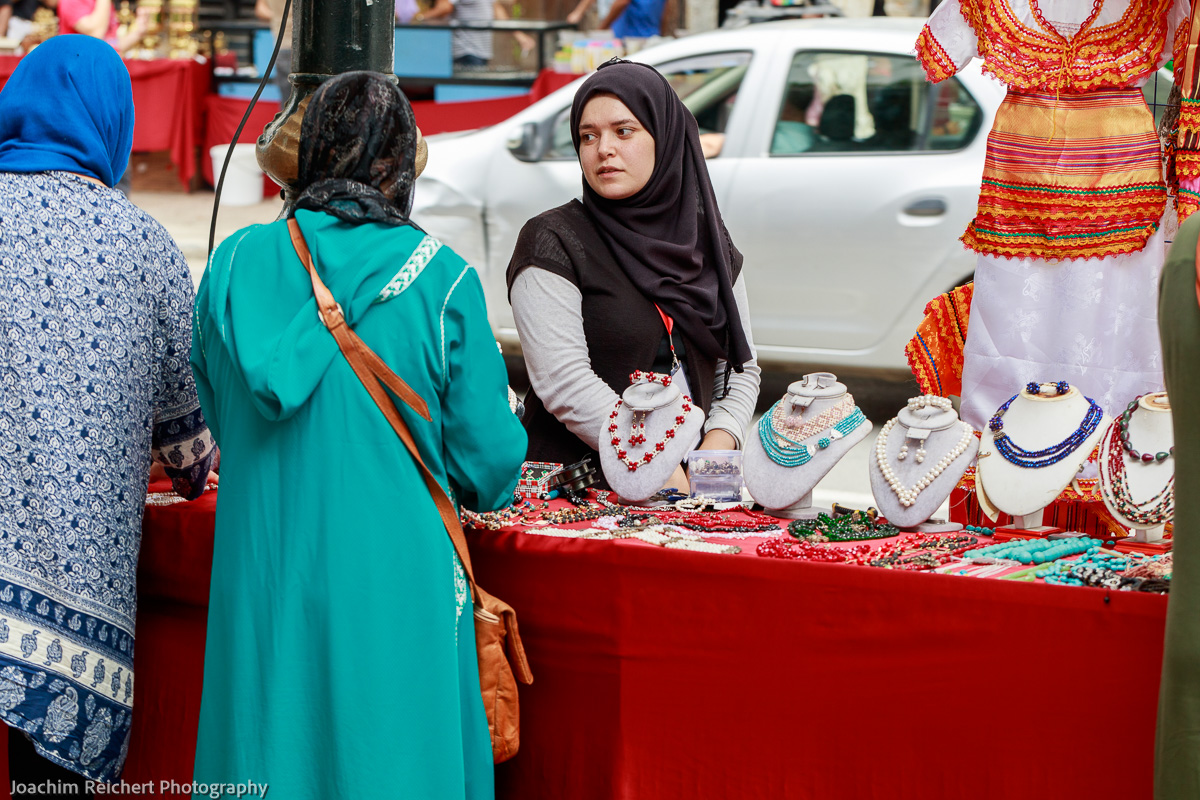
{"type": "Point", "coordinates": [150, 47]}
{"type": "Point", "coordinates": [181, 27]}
{"type": "Point", "coordinates": [125, 17]}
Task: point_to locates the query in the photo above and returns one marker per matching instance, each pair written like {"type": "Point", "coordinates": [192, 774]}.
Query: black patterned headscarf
{"type": "Point", "coordinates": [669, 237]}
{"type": "Point", "coordinates": [358, 150]}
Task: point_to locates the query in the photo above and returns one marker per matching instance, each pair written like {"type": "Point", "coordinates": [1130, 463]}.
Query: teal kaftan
{"type": "Point", "coordinates": [340, 660]}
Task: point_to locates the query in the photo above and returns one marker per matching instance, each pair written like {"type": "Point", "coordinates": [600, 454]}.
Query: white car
{"type": "Point", "coordinates": [844, 178]}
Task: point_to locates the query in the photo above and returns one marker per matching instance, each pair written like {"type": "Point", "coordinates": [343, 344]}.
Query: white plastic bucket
{"type": "Point", "coordinates": [243, 180]}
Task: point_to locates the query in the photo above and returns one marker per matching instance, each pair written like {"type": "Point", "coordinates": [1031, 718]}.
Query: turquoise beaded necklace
{"type": "Point", "coordinates": [787, 454]}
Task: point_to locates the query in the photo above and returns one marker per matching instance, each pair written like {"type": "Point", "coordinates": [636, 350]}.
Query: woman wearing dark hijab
{"type": "Point", "coordinates": [595, 283]}
{"type": "Point", "coordinates": [95, 328]}
{"type": "Point", "coordinates": [340, 659]}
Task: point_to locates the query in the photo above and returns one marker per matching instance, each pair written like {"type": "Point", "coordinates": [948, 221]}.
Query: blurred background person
{"type": "Point", "coordinates": [98, 18]}
{"type": "Point", "coordinates": [16, 16]}
{"type": "Point", "coordinates": [632, 18]}
{"type": "Point", "coordinates": [271, 11]}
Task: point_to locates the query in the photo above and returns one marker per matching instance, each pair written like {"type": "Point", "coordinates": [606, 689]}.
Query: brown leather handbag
{"type": "Point", "coordinates": [502, 659]}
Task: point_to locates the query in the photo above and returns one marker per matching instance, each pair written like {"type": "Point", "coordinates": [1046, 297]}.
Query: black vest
{"type": "Point", "coordinates": [623, 329]}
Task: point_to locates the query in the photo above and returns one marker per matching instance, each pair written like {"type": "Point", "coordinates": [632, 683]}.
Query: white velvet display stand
{"type": "Point", "coordinates": [940, 432]}
{"type": "Point", "coordinates": [663, 404]}
{"type": "Point", "coordinates": [1034, 422]}
{"type": "Point", "coordinates": [786, 492]}
{"type": "Point", "coordinates": [1150, 431]}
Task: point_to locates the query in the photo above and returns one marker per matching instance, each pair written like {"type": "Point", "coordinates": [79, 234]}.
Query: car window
{"type": "Point", "coordinates": [862, 102]}
{"type": "Point", "coordinates": [708, 86]}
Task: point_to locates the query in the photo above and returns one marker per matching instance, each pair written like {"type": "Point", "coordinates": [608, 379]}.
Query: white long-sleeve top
{"type": "Point", "coordinates": [548, 310]}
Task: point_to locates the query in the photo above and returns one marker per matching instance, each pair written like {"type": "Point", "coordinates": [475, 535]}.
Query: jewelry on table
{"type": "Point", "coordinates": [1034, 459]}
{"type": "Point", "coordinates": [658, 535]}
{"type": "Point", "coordinates": [638, 426]}
{"type": "Point", "coordinates": [916, 404]}
{"type": "Point", "coordinates": [170, 498]}
{"type": "Point", "coordinates": [908, 495]}
{"type": "Point", "coordinates": [852, 527]}
{"type": "Point", "coordinates": [1114, 482]}
{"type": "Point", "coordinates": [785, 447]}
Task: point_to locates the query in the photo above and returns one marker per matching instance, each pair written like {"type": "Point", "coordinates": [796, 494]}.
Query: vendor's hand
{"type": "Point", "coordinates": [575, 17]}
{"type": "Point", "coordinates": [718, 439]}
{"type": "Point", "coordinates": [678, 480]}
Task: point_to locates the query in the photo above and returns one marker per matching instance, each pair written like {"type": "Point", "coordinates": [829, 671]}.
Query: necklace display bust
{"type": "Point", "coordinates": [1034, 447]}
{"type": "Point", "coordinates": [918, 459]}
{"type": "Point", "coordinates": [798, 441]}
{"type": "Point", "coordinates": [1137, 471]}
{"type": "Point", "coordinates": [648, 434]}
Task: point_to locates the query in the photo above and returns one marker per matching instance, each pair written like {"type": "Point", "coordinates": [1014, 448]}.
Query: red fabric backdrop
{"type": "Point", "coordinates": [168, 100]}
{"type": "Point", "coordinates": [667, 674]}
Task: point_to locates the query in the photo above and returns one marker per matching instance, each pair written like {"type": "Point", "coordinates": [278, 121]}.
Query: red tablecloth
{"type": "Point", "coordinates": [666, 674]}
{"type": "Point", "coordinates": [221, 118]}
{"type": "Point", "coordinates": [168, 100]}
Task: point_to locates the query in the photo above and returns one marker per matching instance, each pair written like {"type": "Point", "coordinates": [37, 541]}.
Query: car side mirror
{"type": "Point", "coordinates": [526, 142]}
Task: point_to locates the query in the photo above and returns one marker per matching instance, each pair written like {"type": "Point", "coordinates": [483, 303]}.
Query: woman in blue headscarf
{"type": "Point", "coordinates": [95, 332]}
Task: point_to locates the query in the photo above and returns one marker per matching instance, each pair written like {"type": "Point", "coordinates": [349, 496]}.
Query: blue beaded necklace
{"type": "Point", "coordinates": [1034, 459]}
{"type": "Point", "coordinates": [786, 454]}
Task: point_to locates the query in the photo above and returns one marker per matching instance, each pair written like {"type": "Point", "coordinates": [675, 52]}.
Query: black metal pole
{"type": "Point", "coordinates": [329, 37]}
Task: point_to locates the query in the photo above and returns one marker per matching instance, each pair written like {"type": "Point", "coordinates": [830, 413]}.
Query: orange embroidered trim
{"type": "Point", "coordinates": [1033, 222]}
{"type": "Point", "coordinates": [1189, 116]}
{"type": "Point", "coordinates": [1107, 56]}
{"type": "Point", "coordinates": [935, 353]}
{"type": "Point", "coordinates": [1187, 203]}
{"type": "Point", "coordinates": [934, 59]}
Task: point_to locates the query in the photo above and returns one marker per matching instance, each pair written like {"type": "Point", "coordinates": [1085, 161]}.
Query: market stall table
{"type": "Point", "coordinates": [667, 674]}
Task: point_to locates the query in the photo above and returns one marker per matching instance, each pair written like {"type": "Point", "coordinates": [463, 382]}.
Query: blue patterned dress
{"type": "Point", "coordinates": [95, 335]}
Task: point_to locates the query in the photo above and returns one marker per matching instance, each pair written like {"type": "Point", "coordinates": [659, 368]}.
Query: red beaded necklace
{"type": "Point", "coordinates": [637, 428]}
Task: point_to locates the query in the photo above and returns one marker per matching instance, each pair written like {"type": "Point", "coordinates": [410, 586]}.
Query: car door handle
{"type": "Point", "coordinates": [926, 208]}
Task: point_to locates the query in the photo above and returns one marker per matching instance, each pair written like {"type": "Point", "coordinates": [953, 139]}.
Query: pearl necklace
{"type": "Point", "coordinates": [908, 496]}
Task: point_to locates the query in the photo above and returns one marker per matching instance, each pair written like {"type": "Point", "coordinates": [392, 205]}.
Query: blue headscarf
{"type": "Point", "coordinates": [68, 106]}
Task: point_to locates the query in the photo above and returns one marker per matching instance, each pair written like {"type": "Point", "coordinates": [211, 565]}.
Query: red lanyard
{"type": "Point", "coordinates": [669, 324]}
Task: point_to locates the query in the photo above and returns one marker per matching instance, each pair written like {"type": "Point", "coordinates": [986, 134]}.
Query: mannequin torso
{"type": "Point", "coordinates": [1036, 422]}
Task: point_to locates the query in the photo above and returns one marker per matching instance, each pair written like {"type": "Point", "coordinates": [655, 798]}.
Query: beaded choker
{"type": "Point", "coordinates": [1035, 459]}
{"type": "Point", "coordinates": [782, 442]}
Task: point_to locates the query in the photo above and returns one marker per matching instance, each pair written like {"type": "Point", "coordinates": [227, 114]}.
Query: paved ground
{"type": "Point", "coordinates": [187, 218]}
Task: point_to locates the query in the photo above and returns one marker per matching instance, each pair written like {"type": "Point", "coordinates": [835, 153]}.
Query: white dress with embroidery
{"type": "Point", "coordinates": [1089, 321]}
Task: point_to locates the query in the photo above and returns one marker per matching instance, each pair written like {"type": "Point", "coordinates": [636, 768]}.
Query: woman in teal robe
{"type": "Point", "coordinates": [340, 660]}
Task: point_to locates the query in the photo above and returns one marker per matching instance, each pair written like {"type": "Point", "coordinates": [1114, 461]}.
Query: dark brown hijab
{"type": "Point", "coordinates": [358, 145]}
{"type": "Point", "coordinates": [669, 237]}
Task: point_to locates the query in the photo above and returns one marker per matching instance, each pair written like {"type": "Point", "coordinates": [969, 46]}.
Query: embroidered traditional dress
{"type": "Point", "coordinates": [1069, 221]}
{"type": "Point", "coordinates": [340, 659]}
{"type": "Point", "coordinates": [95, 316]}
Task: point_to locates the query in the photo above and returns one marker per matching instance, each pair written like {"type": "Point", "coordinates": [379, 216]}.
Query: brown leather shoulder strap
{"type": "Point", "coordinates": [372, 371]}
